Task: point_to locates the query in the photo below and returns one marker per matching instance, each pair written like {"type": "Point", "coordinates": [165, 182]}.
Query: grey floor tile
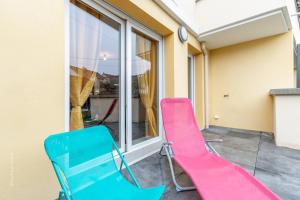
{"type": "Point", "coordinates": [267, 138]}
{"type": "Point", "coordinates": [248, 168]}
{"type": "Point", "coordinates": [235, 155]}
{"type": "Point", "coordinates": [278, 160]}
{"type": "Point", "coordinates": [285, 186]}
{"type": "Point", "coordinates": [243, 141]}
{"type": "Point", "coordinates": [241, 150]}
{"type": "Point", "coordinates": [217, 130]}
{"type": "Point", "coordinates": [269, 145]}
{"type": "Point", "coordinates": [210, 135]}
{"type": "Point", "coordinates": [188, 195]}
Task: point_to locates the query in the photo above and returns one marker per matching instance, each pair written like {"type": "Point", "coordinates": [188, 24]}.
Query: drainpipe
{"type": "Point", "coordinates": [205, 63]}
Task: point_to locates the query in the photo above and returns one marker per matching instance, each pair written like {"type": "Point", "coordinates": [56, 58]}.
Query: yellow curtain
{"type": "Point", "coordinates": [146, 49]}
{"type": "Point", "coordinates": [81, 85]}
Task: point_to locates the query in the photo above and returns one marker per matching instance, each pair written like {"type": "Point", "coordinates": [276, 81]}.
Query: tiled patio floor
{"type": "Point", "coordinates": [277, 167]}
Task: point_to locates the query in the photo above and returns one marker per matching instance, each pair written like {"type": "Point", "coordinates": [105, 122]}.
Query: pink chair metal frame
{"type": "Point", "coordinates": [167, 147]}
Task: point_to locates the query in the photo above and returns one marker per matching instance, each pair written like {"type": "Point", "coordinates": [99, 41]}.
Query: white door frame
{"type": "Point", "coordinates": [129, 27]}
{"type": "Point", "coordinates": [191, 79]}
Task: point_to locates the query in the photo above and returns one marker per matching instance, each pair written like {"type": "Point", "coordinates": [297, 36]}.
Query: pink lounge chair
{"type": "Point", "coordinates": [214, 177]}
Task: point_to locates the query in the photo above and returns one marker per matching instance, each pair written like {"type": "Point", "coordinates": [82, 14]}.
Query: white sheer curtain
{"type": "Point", "coordinates": [85, 50]}
{"type": "Point", "coordinates": [87, 45]}
{"type": "Point", "coordinates": [85, 39]}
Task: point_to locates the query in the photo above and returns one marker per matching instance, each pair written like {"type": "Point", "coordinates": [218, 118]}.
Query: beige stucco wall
{"type": "Point", "coordinates": [32, 95]}
{"type": "Point", "coordinates": [246, 72]}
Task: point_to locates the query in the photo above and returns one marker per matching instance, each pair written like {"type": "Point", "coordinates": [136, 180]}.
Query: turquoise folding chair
{"type": "Point", "coordinates": [85, 167]}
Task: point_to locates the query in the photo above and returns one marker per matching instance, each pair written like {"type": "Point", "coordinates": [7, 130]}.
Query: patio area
{"type": "Point", "coordinates": [276, 167]}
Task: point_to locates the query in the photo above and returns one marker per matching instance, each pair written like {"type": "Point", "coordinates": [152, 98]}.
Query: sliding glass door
{"type": "Point", "coordinates": [143, 86]}
{"type": "Point", "coordinates": [96, 63]}
{"type": "Point", "coordinates": [105, 87]}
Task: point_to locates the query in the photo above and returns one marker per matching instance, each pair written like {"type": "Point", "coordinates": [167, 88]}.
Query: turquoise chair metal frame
{"type": "Point", "coordinates": [84, 164]}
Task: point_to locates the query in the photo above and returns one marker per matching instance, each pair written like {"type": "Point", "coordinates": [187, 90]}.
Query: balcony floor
{"type": "Point", "coordinates": [276, 167]}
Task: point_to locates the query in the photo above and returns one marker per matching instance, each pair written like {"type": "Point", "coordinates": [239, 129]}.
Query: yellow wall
{"type": "Point", "coordinates": [169, 63]}
{"type": "Point", "coordinates": [246, 72]}
{"type": "Point", "coordinates": [32, 95]}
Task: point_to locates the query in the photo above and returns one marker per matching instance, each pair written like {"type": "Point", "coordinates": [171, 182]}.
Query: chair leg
{"type": "Point", "coordinates": [61, 194]}
{"type": "Point", "coordinates": [212, 149]}
{"type": "Point", "coordinates": [121, 165]}
{"type": "Point", "coordinates": [160, 151]}
{"type": "Point", "coordinates": [179, 188]}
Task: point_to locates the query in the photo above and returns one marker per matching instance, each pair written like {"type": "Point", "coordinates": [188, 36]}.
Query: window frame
{"type": "Point", "coordinates": [129, 28]}
{"type": "Point", "coordinates": [191, 79]}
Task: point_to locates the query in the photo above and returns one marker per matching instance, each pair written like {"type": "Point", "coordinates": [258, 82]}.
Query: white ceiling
{"type": "Point", "coordinates": [265, 25]}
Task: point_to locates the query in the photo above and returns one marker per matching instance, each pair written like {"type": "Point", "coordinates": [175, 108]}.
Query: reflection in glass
{"type": "Point", "coordinates": [95, 69]}
{"type": "Point", "coordinates": [190, 92]}
{"type": "Point", "coordinates": [144, 90]}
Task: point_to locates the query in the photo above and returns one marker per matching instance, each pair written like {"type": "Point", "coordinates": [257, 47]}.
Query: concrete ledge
{"type": "Point", "coordinates": [285, 91]}
{"type": "Point", "coordinates": [286, 117]}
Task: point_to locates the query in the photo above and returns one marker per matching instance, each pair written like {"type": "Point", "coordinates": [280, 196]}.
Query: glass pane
{"type": "Point", "coordinates": [190, 95]}
{"type": "Point", "coordinates": [95, 69]}
{"type": "Point", "coordinates": [144, 88]}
